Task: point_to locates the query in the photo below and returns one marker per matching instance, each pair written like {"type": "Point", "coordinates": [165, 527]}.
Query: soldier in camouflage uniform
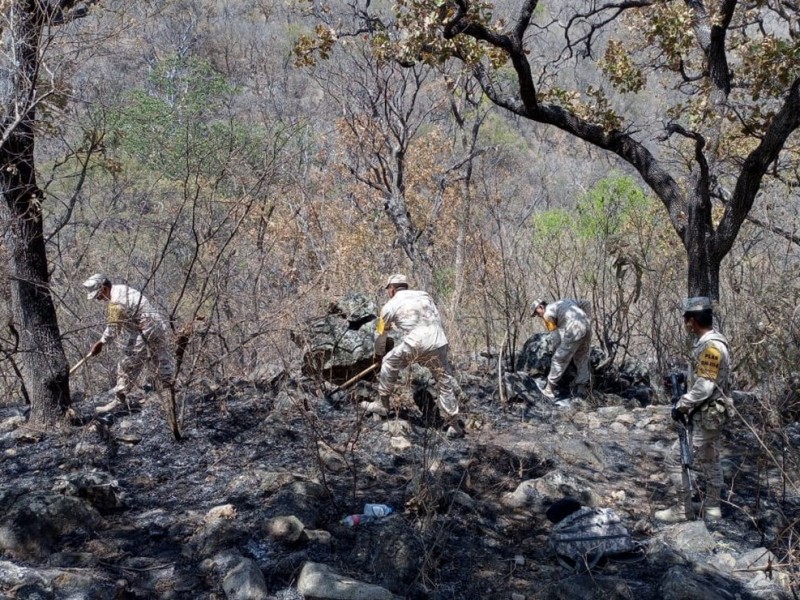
{"type": "Point", "coordinates": [142, 331]}
{"type": "Point", "coordinates": [574, 341]}
{"type": "Point", "coordinates": [414, 314]}
{"type": "Point", "coordinates": [708, 405]}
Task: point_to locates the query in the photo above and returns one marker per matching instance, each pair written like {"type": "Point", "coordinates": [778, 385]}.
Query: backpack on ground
{"type": "Point", "coordinates": [582, 538]}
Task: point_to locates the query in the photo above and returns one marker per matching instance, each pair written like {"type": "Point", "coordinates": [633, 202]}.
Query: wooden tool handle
{"type": "Point", "coordinates": [355, 378]}
{"type": "Point", "coordinates": [79, 364]}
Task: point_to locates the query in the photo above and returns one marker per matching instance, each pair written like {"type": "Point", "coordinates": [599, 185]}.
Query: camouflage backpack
{"type": "Point", "coordinates": [582, 538]}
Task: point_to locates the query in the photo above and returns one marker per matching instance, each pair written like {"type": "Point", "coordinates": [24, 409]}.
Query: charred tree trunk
{"type": "Point", "coordinates": [42, 360]}
{"type": "Point", "coordinates": [413, 243]}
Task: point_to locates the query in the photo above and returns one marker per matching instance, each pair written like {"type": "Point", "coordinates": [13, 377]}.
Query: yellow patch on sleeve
{"type": "Point", "coordinates": [709, 363]}
{"type": "Point", "coordinates": [116, 314]}
{"type": "Point", "coordinates": [381, 326]}
{"type": "Point", "coordinates": [551, 325]}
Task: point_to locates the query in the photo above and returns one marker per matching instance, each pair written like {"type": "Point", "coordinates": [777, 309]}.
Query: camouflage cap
{"type": "Point", "coordinates": [536, 304]}
{"type": "Point", "coordinates": [93, 285]}
{"type": "Point", "coordinates": [696, 304]}
{"type": "Point", "coordinates": [397, 279]}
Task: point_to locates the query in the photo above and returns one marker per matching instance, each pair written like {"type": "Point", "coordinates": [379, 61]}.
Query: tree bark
{"type": "Point", "coordinates": [42, 360]}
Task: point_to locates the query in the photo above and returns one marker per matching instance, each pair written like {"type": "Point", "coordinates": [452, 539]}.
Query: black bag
{"type": "Point", "coordinates": [582, 538]}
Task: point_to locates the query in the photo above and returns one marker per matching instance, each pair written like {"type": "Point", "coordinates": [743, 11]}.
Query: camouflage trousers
{"type": "Point", "coordinates": [576, 345]}
{"type": "Point", "coordinates": [706, 444]}
{"type": "Point", "coordinates": [150, 345]}
{"type": "Point", "coordinates": [403, 355]}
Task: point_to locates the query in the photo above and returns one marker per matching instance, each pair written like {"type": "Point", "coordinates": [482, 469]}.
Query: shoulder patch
{"type": "Point", "coordinates": [708, 363]}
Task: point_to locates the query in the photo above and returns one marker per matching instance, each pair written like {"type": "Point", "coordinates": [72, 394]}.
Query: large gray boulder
{"type": "Point", "coordinates": [32, 524]}
{"type": "Point", "coordinates": [630, 379]}
{"type": "Point", "coordinates": [97, 487]}
{"type": "Point", "coordinates": [341, 343]}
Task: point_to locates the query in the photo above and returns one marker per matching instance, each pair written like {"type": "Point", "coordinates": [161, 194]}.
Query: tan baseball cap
{"type": "Point", "coordinates": [93, 285]}
{"type": "Point", "coordinates": [397, 279]}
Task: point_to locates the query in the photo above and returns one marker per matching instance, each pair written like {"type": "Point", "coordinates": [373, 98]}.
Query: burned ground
{"type": "Point", "coordinates": [469, 513]}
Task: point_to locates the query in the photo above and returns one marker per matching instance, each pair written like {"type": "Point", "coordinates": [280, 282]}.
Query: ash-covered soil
{"type": "Point", "coordinates": [115, 508]}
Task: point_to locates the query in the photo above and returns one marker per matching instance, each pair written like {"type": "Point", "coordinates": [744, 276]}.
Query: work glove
{"type": "Point", "coordinates": [380, 347]}
{"type": "Point", "coordinates": [678, 416]}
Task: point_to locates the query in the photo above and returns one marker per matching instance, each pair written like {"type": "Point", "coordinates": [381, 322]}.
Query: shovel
{"type": "Point", "coordinates": [337, 395]}
{"type": "Point", "coordinates": [79, 364]}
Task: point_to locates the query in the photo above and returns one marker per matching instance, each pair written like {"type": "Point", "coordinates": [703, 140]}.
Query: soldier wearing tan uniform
{"type": "Point", "coordinates": [141, 332]}
{"type": "Point", "coordinates": [414, 314]}
{"type": "Point", "coordinates": [574, 341]}
{"type": "Point", "coordinates": [709, 406]}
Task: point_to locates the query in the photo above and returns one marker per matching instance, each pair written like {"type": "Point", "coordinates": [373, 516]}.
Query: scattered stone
{"type": "Point", "coordinates": [521, 387]}
{"type": "Point", "coordinates": [245, 582]}
{"type": "Point", "coordinates": [267, 376]}
{"type": "Point", "coordinates": [461, 498]}
{"type": "Point", "coordinates": [99, 488]}
{"type": "Point", "coordinates": [690, 537]}
{"type": "Point", "coordinates": [319, 581]}
{"type": "Point", "coordinates": [762, 570]}
{"type": "Point", "coordinates": [223, 511]}
{"type": "Point", "coordinates": [317, 536]}
{"type": "Point", "coordinates": [578, 451]}
{"type": "Point", "coordinates": [524, 496]}
{"type": "Point", "coordinates": [618, 427]}
{"type": "Point", "coordinates": [215, 537]}
{"type": "Point", "coordinates": [11, 423]}
{"type": "Point", "coordinates": [332, 460]}
{"type": "Point", "coordinates": [687, 583]}
{"type": "Point", "coordinates": [399, 443]}
{"type": "Point", "coordinates": [285, 529]}
{"type": "Point", "coordinates": [303, 499]}
{"type": "Point", "coordinates": [397, 427]}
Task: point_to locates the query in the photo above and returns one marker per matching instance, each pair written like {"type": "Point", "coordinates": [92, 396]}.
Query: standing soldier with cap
{"type": "Point", "coordinates": [707, 405]}
{"type": "Point", "coordinates": [574, 343]}
{"type": "Point", "coordinates": [144, 331]}
{"type": "Point", "coordinates": [414, 313]}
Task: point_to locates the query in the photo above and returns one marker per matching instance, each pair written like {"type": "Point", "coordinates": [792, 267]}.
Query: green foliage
{"type": "Point", "coordinates": [608, 209]}
{"type": "Point", "coordinates": [669, 27]}
{"type": "Point", "coordinates": [443, 279]}
{"type": "Point", "coordinates": [609, 206]}
{"type": "Point", "coordinates": [499, 132]}
{"type": "Point", "coordinates": [421, 20]}
{"type": "Point", "coordinates": [621, 70]}
{"type": "Point", "coordinates": [596, 110]}
{"type": "Point", "coordinates": [180, 122]}
{"type": "Point", "coordinates": [553, 223]}
{"type": "Point", "coordinates": [771, 64]}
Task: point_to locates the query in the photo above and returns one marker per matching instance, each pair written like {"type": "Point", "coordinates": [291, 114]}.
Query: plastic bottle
{"type": "Point", "coordinates": [354, 520]}
{"type": "Point", "coordinates": [377, 510]}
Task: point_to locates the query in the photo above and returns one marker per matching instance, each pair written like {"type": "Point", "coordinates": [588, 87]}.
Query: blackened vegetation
{"type": "Point", "coordinates": [466, 526]}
